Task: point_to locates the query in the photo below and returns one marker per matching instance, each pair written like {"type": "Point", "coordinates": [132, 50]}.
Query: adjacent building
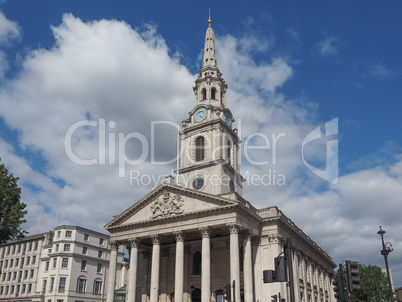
{"type": "Point", "coordinates": [190, 238]}
{"type": "Point", "coordinates": [68, 264]}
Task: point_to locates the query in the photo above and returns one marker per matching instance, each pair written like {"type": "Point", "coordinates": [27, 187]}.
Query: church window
{"type": "Point", "coordinates": [228, 153]}
{"type": "Point", "coordinates": [204, 94]}
{"type": "Point", "coordinates": [199, 148]}
{"type": "Point", "coordinates": [213, 92]}
{"type": "Point", "coordinates": [198, 183]}
{"type": "Point", "coordinates": [197, 263]}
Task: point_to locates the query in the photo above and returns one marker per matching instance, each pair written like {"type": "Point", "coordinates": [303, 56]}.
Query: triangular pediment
{"type": "Point", "coordinates": [168, 201]}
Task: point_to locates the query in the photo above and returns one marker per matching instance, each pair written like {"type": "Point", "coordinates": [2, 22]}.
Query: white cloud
{"type": "Point", "coordinates": [329, 46]}
{"type": "Point", "coordinates": [8, 29]}
{"type": "Point", "coordinates": [381, 72]}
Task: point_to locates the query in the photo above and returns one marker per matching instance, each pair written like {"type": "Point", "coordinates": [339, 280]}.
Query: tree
{"type": "Point", "coordinates": [373, 283]}
{"type": "Point", "coordinates": [12, 210]}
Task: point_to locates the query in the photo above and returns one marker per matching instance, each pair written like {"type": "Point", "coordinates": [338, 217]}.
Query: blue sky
{"type": "Point", "coordinates": [291, 67]}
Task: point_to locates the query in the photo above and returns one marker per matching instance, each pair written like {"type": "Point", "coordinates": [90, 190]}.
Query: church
{"type": "Point", "coordinates": [191, 237]}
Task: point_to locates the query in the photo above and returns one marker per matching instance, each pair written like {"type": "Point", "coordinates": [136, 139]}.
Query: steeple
{"type": "Point", "coordinates": [209, 48]}
{"type": "Point", "coordinates": [209, 146]}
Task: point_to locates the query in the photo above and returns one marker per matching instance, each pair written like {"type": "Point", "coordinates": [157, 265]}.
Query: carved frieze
{"type": "Point", "coordinates": [167, 205]}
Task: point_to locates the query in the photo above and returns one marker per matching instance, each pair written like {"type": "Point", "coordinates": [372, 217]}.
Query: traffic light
{"type": "Point", "coordinates": [352, 274]}
{"type": "Point", "coordinates": [280, 269]}
{"type": "Point", "coordinates": [274, 298]}
{"type": "Point", "coordinates": [269, 276]}
{"type": "Point", "coordinates": [338, 288]}
{"type": "Point", "coordinates": [228, 296]}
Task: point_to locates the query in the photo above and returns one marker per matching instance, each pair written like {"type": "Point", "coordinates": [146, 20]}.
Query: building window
{"type": "Point", "coordinates": [3, 278]}
{"type": "Point", "coordinates": [11, 263]}
{"type": "Point", "coordinates": [33, 259]}
{"type": "Point", "coordinates": [84, 250]}
{"type": "Point", "coordinates": [9, 276]}
{"type": "Point", "coordinates": [197, 263]}
{"type": "Point", "coordinates": [60, 300]}
{"type": "Point", "coordinates": [29, 288]}
{"type": "Point", "coordinates": [62, 284]}
{"type": "Point", "coordinates": [23, 288]}
{"type": "Point", "coordinates": [83, 265]}
{"type": "Point", "coordinates": [17, 261]}
{"type": "Point", "coordinates": [199, 148]}
{"type": "Point", "coordinates": [36, 245]}
{"type": "Point", "coordinates": [100, 254]}
{"type": "Point", "coordinates": [25, 274]}
{"type": "Point", "coordinates": [86, 237]}
{"type": "Point", "coordinates": [47, 265]}
{"type": "Point", "coordinates": [6, 293]}
{"type": "Point", "coordinates": [12, 289]}
{"type": "Point", "coordinates": [51, 283]}
{"type": "Point", "coordinates": [5, 264]}
{"type": "Point", "coordinates": [204, 94]}
{"type": "Point", "coordinates": [44, 286]}
{"type": "Point", "coordinates": [13, 252]}
{"type": "Point", "coordinates": [101, 241]}
{"type": "Point", "coordinates": [58, 234]}
{"type": "Point", "coordinates": [1, 290]}
{"type": "Point", "coordinates": [30, 246]}
{"type": "Point", "coordinates": [28, 260]}
{"type": "Point", "coordinates": [68, 234]}
{"type": "Point", "coordinates": [22, 262]}
{"type": "Point", "coordinates": [57, 247]}
{"type": "Point", "coordinates": [19, 248]}
{"type": "Point", "coordinates": [64, 263]}
{"type": "Point", "coordinates": [213, 93]}
{"type": "Point", "coordinates": [81, 283]}
{"type": "Point", "coordinates": [66, 247]}
{"type": "Point", "coordinates": [99, 268]}
{"type": "Point", "coordinates": [19, 276]}
{"type": "Point", "coordinates": [32, 273]}
{"type": "Point", "coordinates": [54, 262]}
{"type": "Point", "coordinates": [14, 275]}
{"type": "Point", "coordinates": [97, 287]}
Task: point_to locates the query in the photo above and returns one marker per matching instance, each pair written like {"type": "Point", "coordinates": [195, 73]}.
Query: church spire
{"type": "Point", "coordinates": [209, 48]}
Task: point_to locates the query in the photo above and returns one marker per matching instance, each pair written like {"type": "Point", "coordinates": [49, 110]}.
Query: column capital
{"type": "Point", "coordinates": [134, 242]}
{"type": "Point", "coordinates": [205, 232]}
{"type": "Point", "coordinates": [114, 245]}
{"type": "Point", "coordinates": [179, 236]}
{"type": "Point", "coordinates": [234, 227]}
{"type": "Point", "coordinates": [156, 239]}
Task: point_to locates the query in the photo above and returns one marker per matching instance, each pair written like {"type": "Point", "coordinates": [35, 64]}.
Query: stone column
{"type": "Point", "coordinates": [179, 268]}
{"type": "Point", "coordinates": [248, 268]}
{"type": "Point", "coordinates": [235, 260]}
{"type": "Point", "coordinates": [206, 265]}
{"type": "Point", "coordinates": [111, 281]}
{"type": "Point", "coordinates": [132, 273]}
{"type": "Point", "coordinates": [156, 250]}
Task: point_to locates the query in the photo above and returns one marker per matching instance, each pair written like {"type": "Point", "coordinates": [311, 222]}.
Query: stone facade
{"type": "Point", "coordinates": [188, 240]}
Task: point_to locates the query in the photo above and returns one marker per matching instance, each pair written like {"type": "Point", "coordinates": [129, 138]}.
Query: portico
{"type": "Point", "coordinates": [216, 233]}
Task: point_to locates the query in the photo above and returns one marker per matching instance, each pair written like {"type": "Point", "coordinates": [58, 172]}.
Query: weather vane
{"type": "Point", "coordinates": [209, 20]}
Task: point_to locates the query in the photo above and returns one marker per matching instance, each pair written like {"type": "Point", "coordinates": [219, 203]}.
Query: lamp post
{"type": "Point", "coordinates": [385, 251]}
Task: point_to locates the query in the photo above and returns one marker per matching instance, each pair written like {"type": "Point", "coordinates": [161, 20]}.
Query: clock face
{"type": "Point", "coordinates": [228, 119]}
{"type": "Point", "coordinates": [200, 115]}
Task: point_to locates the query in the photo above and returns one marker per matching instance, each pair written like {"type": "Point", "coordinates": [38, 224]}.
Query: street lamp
{"type": "Point", "coordinates": [386, 249]}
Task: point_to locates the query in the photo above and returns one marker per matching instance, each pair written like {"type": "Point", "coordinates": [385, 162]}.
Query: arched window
{"type": "Point", "coordinates": [199, 148]}
{"type": "Point", "coordinates": [197, 263]}
{"type": "Point", "coordinates": [81, 284]}
{"type": "Point", "coordinates": [204, 94]}
{"type": "Point", "coordinates": [97, 287]}
{"type": "Point", "coordinates": [213, 92]}
{"type": "Point", "coordinates": [228, 153]}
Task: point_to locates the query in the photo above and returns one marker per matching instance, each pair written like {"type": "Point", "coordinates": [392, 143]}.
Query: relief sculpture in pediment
{"type": "Point", "coordinates": [167, 206]}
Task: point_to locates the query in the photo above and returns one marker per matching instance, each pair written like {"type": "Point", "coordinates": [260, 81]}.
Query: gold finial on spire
{"type": "Point", "coordinates": [209, 20]}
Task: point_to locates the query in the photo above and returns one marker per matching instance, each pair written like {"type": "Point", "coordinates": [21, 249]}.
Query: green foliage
{"type": "Point", "coordinates": [373, 283]}
{"type": "Point", "coordinates": [12, 210]}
